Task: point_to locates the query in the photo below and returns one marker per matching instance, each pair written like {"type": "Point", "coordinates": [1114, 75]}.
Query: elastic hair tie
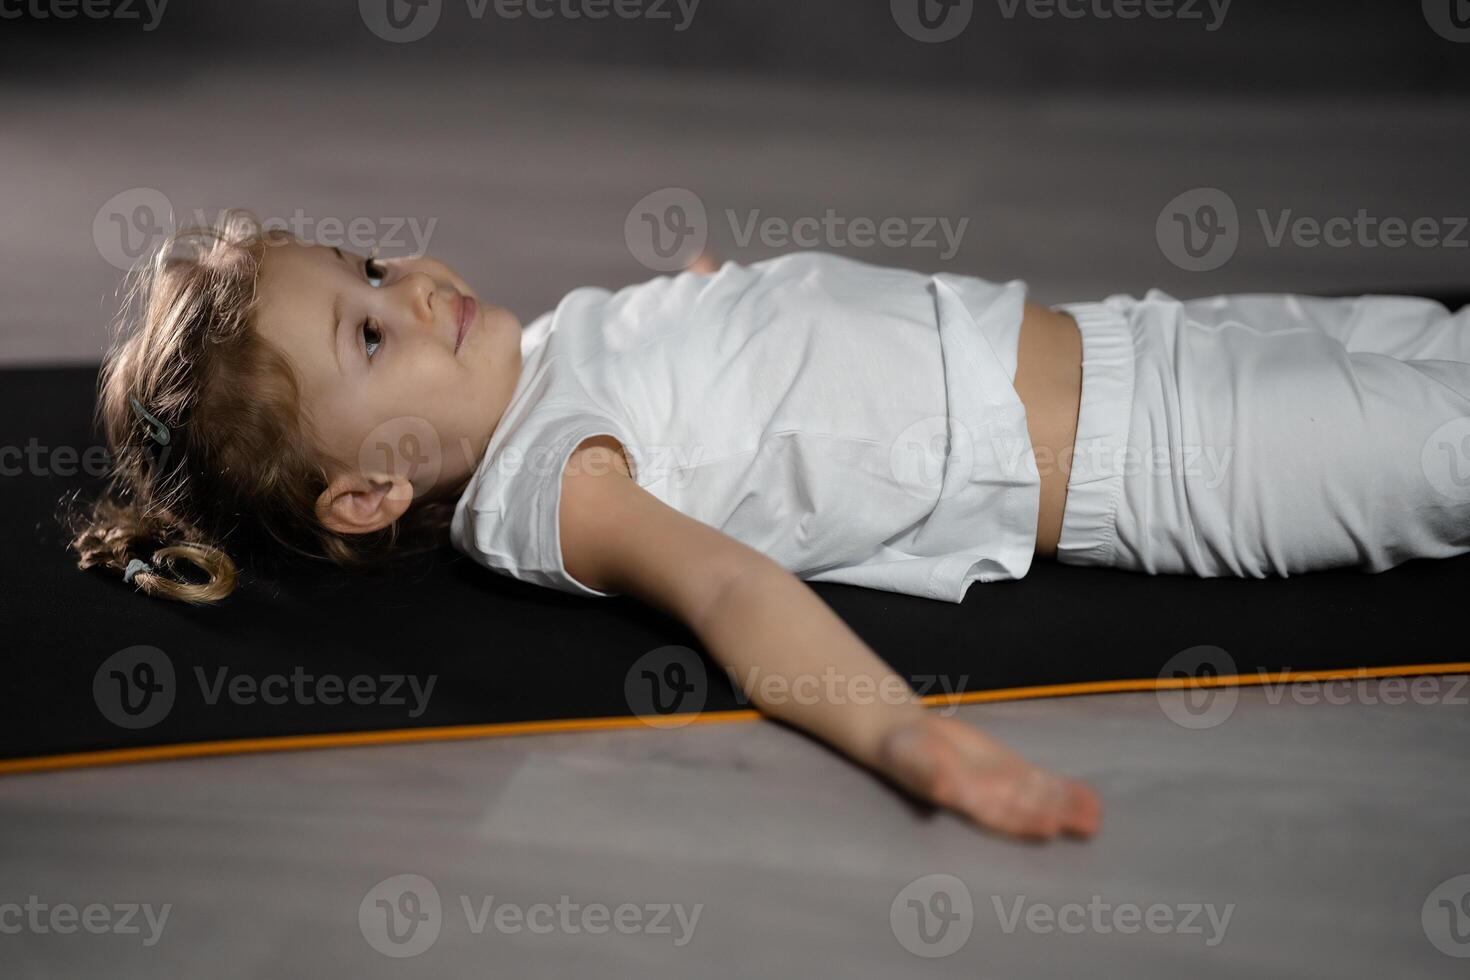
{"type": "Point", "coordinates": [134, 567]}
{"type": "Point", "coordinates": [158, 432]}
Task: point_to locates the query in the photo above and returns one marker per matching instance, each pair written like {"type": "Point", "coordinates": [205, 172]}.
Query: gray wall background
{"type": "Point", "coordinates": [1262, 46]}
{"type": "Point", "coordinates": [529, 142]}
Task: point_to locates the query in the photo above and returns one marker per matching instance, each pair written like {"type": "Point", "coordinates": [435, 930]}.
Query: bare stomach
{"type": "Point", "coordinates": [1049, 382]}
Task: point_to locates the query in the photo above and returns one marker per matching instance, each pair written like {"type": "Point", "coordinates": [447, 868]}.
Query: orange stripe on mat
{"type": "Point", "coordinates": [397, 736]}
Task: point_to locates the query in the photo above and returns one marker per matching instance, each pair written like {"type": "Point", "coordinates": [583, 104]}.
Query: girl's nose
{"type": "Point", "coordinates": [418, 290]}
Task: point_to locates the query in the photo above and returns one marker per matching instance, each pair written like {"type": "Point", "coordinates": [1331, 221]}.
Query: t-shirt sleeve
{"type": "Point", "coordinates": [509, 516]}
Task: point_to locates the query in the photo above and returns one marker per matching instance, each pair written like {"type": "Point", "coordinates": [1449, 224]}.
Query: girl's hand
{"type": "Point", "coordinates": [953, 765]}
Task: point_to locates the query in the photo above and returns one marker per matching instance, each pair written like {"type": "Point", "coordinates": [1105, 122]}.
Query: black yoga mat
{"type": "Point", "coordinates": [306, 655]}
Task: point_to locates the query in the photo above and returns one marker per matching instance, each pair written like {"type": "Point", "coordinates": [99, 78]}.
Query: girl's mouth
{"type": "Point", "coordinates": [468, 309]}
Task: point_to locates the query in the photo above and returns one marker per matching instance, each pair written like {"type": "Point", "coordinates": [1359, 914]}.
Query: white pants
{"type": "Point", "coordinates": [1260, 435]}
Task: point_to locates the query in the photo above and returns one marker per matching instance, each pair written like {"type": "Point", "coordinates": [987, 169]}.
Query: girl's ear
{"type": "Point", "coordinates": [355, 504]}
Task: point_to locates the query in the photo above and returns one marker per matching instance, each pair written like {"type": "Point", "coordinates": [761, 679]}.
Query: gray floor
{"type": "Point", "coordinates": [1322, 827]}
{"type": "Point", "coordinates": [1325, 828]}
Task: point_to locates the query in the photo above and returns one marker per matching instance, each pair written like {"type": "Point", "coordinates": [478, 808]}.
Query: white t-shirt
{"type": "Point", "coordinates": [856, 423]}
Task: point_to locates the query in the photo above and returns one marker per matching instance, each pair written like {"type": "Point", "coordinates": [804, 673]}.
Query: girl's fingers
{"type": "Point", "coordinates": [958, 767]}
{"type": "Point", "coordinates": [1084, 810]}
{"type": "Point", "coordinates": [1034, 803]}
{"type": "Point", "coordinates": [1034, 809]}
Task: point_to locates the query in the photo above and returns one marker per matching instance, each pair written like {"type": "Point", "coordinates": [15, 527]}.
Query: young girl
{"type": "Point", "coordinates": [706, 441]}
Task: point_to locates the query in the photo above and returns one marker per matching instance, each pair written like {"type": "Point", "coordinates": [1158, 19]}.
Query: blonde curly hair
{"type": "Point", "coordinates": [239, 456]}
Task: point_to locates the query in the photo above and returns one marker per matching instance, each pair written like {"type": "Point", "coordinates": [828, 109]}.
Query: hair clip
{"type": "Point", "coordinates": [158, 432]}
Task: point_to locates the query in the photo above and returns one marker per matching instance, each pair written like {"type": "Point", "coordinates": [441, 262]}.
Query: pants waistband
{"type": "Point", "coordinates": [1089, 531]}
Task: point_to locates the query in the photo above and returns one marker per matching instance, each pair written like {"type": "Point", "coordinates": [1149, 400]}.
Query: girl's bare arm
{"type": "Point", "coordinates": [795, 659]}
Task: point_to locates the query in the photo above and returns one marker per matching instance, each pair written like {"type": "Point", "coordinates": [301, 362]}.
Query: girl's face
{"type": "Point", "coordinates": [404, 372]}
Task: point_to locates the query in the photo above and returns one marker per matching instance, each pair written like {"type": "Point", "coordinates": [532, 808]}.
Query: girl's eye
{"type": "Point", "coordinates": [375, 271]}
{"type": "Point", "coordinates": [372, 338]}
